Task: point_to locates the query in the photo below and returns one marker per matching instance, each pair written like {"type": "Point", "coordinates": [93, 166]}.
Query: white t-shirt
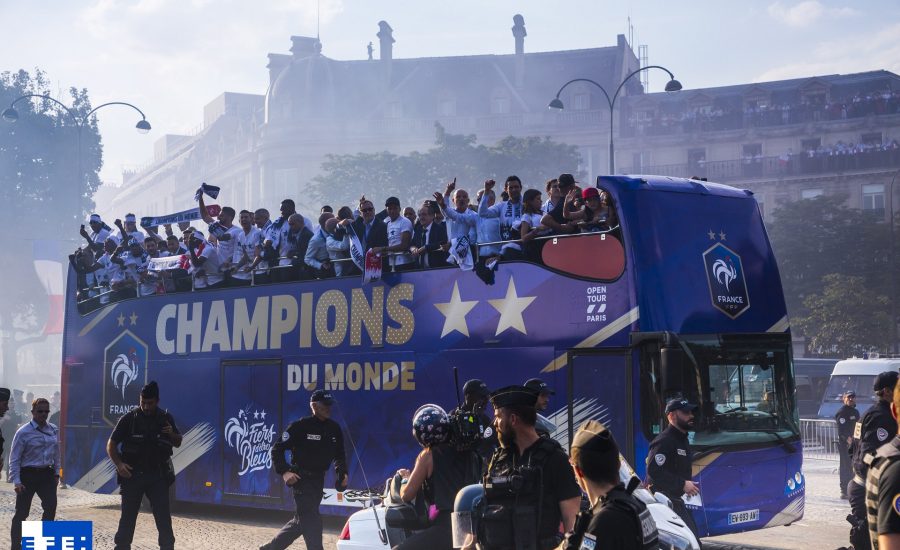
{"type": "Point", "coordinates": [210, 267]}
{"type": "Point", "coordinates": [226, 247]}
{"type": "Point", "coordinates": [245, 244]}
{"type": "Point", "coordinates": [395, 230]}
{"type": "Point", "coordinates": [136, 235]}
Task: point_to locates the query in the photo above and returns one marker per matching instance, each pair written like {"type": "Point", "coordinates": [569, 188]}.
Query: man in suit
{"type": "Point", "coordinates": [428, 238]}
{"type": "Point", "coordinates": [371, 231]}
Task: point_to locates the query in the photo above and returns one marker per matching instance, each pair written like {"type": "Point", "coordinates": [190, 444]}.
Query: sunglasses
{"type": "Point", "coordinates": [43, 411]}
{"type": "Point", "coordinates": [371, 209]}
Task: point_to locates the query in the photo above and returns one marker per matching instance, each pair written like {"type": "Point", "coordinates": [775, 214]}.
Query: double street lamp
{"type": "Point", "coordinates": [557, 104]}
{"type": "Point", "coordinates": [11, 115]}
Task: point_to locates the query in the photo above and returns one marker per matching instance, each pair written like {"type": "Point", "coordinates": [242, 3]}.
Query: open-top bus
{"type": "Point", "coordinates": [683, 298]}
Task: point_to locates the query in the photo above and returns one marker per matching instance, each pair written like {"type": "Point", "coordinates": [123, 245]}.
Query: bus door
{"type": "Point", "coordinates": [600, 388]}
{"type": "Point", "coordinates": [251, 420]}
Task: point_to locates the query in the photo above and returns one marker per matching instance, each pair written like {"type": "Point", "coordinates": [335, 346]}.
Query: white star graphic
{"type": "Point", "coordinates": [455, 312]}
{"type": "Point", "coordinates": [511, 308]}
{"type": "Point", "coordinates": [263, 415]}
{"type": "Point", "coordinates": [255, 415]}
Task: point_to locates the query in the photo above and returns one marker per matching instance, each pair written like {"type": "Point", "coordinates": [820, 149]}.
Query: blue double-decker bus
{"type": "Point", "coordinates": [682, 298]}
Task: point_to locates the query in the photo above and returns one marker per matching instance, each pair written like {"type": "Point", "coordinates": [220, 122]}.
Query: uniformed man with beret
{"type": "Point", "coordinates": [315, 442]}
{"type": "Point", "coordinates": [845, 419]}
{"type": "Point", "coordinates": [872, 431]}
{"type": "Point", "coordinates": [530, 487]}
{"type": "Point", "coordinates": [669, 462]}
{"type": "Point", "coordinates": [616, 520]}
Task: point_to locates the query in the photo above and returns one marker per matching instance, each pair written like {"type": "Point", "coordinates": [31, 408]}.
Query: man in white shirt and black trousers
{"type": "Point", "coordinates": [34, 467]}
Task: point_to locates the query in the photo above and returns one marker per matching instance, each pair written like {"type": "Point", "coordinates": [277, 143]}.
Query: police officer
{"type": "Point", "coordinates": [530, 487]}
{"type": "Point", "coordinates": [147, 436]}
{"type": "Point", "coordinates": [315, 442]}
{"type": "Point", "coordinates": [670, 458]}
{"type": "Point", "coordinates": [544, 425]}
{"type": "Point", "coordinates": [845, 419]}
{"type": "Point", "coordinates": [883, 489]}
{"type": "Point", "coordinates": [34, 467]}
{"type": "Point", "coordinates": [5, 394]}
{"type": "Point", "coordinates": [870, 433]}
{"type": "Point", "coordinates": [441, 469]}
{"type": "Point", "coordinates": [616, 519]}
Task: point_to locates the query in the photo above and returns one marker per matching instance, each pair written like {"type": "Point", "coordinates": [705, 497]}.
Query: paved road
{"type": "Point", "coordinates": [202, 527]}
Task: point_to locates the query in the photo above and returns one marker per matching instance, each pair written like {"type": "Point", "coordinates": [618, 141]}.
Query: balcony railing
{"type": "Point", "coordinates": [774, 167]}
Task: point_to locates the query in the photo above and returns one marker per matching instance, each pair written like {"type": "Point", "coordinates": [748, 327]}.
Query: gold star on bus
{"type": "Point", "coordinates": [511, 307]}
{"type": "Point", "coordinates": [455, 312]}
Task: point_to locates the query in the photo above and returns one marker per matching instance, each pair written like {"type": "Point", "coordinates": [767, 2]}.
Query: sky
{"type": "Point", "coordinates": [172, 57]}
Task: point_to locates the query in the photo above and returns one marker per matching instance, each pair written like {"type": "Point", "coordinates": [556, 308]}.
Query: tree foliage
{"type": "Point", "coordinates": [821, 243]}
{"type": "Point", "coordinates": [416, 176]}
{"type": "Point", "coordinates": [39, 187]}
{"type": "Point", "coordinates": [846, 318]}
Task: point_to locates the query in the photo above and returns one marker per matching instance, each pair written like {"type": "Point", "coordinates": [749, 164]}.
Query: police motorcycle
{"type": "Point", "coordinates": [390, 522]}
{"type": "Point", "coordinates": [387, 524]}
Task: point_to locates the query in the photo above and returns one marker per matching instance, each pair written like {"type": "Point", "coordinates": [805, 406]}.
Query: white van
{"type": "Point", "coordinates": [857, 375]}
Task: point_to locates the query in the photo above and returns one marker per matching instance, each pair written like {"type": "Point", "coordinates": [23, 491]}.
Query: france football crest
{"type": "Point", "coordinates": [727, 285]}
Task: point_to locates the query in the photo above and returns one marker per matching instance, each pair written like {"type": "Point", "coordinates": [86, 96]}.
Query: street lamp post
{"type": "Point", "coordinates": [671, 86]}
{"type": "Point", "coordinates": [893, 273]}
{"type": "Point", "coordinates": [11, 115]}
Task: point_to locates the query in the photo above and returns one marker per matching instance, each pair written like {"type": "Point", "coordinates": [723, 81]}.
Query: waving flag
{"type": "Point", "coordinates": [49, 270]}
{"type": "Point", "coordinates": [461, 252]}
{"type": "Point", "coordinates": [210, 190]}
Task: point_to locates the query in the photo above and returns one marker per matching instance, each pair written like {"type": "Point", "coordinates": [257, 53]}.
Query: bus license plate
{"type": "Point", "coordinates": [743, 517]}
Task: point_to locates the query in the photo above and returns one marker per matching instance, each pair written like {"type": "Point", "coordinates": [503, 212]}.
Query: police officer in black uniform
{"type": "Point", "coordinates": [845, 419]}
{"type": "Point", "coordinates": [870, 433]}
{"type": "Point", "coordinates": [670, 459]}
{"type": "Point", "coordinates": [147, 436]}
{"type": "Point", "coordinates": [315, 442]}
{"type": "Point", "coordinates": [475, 397]}
{"type": "Point", "coordinates": [883, 490]}
{"type": "Point", "coordinates": [529, 487]}
{"type": "Point", "coordinates": [616, 519]}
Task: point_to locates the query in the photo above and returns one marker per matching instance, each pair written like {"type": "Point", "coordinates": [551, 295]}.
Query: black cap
{"type": "Point", "coordinates": [392, 201]}
{"type": "Point", "coordinates": [150, 391]}
{"type": "Point", "coordinates": [476, 387]}
{"type": "Point", "coordinates": [885, 380]}
{"type": "Point", "coordinates": [4, 394]}
{"type": "Point", "coordinates": [539, 386]}
{"type": "Point", "coordinates": [321, 396]}
{"type": "Point", "coordinates": [514, 395]}
{"type": "Point", "coordinates": [850, 393]}
{"type": "Point", "coordinates": [679, 405]}
{"type": "Point", "coordinates": [594, 437]}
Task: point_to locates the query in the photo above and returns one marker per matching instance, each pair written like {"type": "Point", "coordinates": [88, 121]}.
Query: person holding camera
{"type": "Point", "coordinates": [530, 487]}
{"type": "Point", "coordinates": [314, 442]}
{"type": "Point", "coordinates": [141, 447]}
{"type": "Point", "coordinates": [442, 468]}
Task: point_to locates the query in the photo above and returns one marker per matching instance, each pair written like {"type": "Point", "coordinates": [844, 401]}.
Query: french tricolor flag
{"type": "Point", "coordinates": [49, 270]}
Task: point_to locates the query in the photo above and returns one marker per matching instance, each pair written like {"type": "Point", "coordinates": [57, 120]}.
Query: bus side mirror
{"type": "Point", "coordinates": [671, 370]}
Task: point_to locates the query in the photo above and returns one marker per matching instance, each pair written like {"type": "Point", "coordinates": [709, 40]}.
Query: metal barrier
{"type": "Point", "coordinates": [820, 439]}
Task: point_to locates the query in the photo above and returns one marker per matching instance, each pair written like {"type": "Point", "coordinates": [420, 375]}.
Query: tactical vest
{"type": "Point", "coordinates": [145, 444]}
{"type": "Point", "coordinates": [877, 463]}
{"type": "Point", "coordinates": [621, 499]}
{"type": "Point", "coordinates": [514, 500]}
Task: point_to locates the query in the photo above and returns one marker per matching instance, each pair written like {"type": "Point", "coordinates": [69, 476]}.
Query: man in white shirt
{"type": "Point", "coordinates": [225, 231]}
{"type": "Point", "coordinates": [317, 257]}
{"type": "Point", "coordinates": [509, 212]}
{"type": "Point", "coordinates": [246, 250]}
{"type": "Point", "coordinates": [204, 263]}
{"type": "Point", "coordinates": [338, 247]}
{"type": "Point", "coordinates": [149, 280]}
{"type": "Point", "coordinates": [129, 230]}
{"type": "Point", "coordinates": [461, 221]}
{"type": "Point", "coordinates": [34, 463]}
{"type": "Point", "coordinates": [98, 235]}
{"type": "Point", "coordinates": [399, 233]}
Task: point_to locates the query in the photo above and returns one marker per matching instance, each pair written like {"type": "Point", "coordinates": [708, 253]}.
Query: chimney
{"type": "Point", "coordinates": [519, 33]}
{"type": "Point", "coordinates": [386, 38]}
{"type": "Point", "coordinates": [305, 46]}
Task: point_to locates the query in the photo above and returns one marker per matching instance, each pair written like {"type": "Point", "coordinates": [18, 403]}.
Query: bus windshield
{"type": "Point", "coordinates": [745, 389]}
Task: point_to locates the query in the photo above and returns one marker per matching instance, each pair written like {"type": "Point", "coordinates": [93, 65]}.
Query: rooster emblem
{"type": "Point", "coordinates": [724, 273]}
{"type": "Point", "coordinates": [124, 370]}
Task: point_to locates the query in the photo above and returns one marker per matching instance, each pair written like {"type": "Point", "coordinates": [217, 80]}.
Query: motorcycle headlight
{"type": "Point", "coordinates": [671, 541]}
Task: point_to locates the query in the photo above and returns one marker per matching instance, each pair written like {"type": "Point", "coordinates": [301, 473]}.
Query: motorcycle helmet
{"type": "Point", "coordinates": [431, 425]}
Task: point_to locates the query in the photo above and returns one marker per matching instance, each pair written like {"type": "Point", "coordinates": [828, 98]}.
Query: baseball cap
{"type": "Point", "coordinates": [476, 387]}
{"type": "Point", "coordinates": [885, 380]}
{"type": "Point", "coordinates": [850, 393]}
{"type": "Point", "coordinates": [514, 395]}
{"type": "Point", "coordinates": [679, 405]}
{"type": "Point", "coordinates": [539, 386]}
{"type": "Point", "coordinates": [321, 396]}
{"type": "Point", "coordinates": [589, 192]}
